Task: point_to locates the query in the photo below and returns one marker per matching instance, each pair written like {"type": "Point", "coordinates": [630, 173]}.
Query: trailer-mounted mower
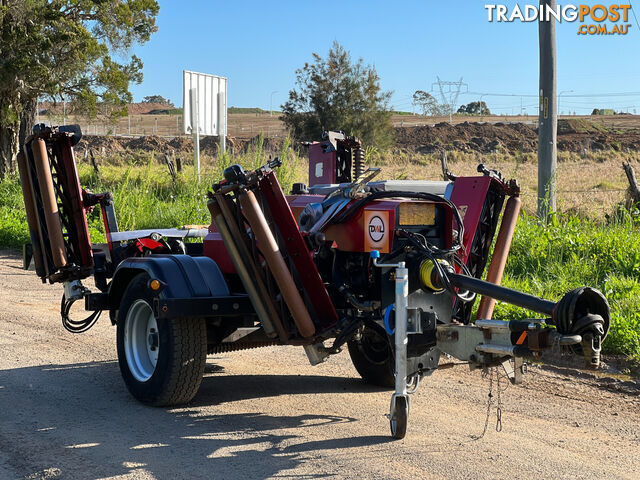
{"type": "Point", "coordinates": [388, 269]}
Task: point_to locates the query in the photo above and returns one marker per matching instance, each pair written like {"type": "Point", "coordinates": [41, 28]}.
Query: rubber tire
{"type": "Point", "coordinates": [182, 353]}
{"type": "Point", "coordinates": [376, 367]}
{"type": "Point", "coordinates": [399, 424]}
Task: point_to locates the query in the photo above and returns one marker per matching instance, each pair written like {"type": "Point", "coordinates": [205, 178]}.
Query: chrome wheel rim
{"type": "Point", "coordinates": [141, 340]}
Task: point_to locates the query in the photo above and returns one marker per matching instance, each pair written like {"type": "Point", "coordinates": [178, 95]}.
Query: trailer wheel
{"type": "Point", "coordinates": [399, 418]}
{"type": "Point", "coordinates": [161, 361]}
{"type": "Point", "coordinates": [373, 358]}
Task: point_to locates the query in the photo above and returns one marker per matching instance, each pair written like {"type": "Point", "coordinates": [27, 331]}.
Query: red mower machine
{"type": "Point", "coordinates": [389, 269]}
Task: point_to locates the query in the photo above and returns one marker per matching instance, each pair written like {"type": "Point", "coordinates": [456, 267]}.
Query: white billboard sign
{"type": "Point", "coordinates": [204, 103]}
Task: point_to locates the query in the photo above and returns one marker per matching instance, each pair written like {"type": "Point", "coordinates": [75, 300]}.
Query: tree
{"type": "Point", "coordinates": [157, 99]}
{"type": "Point", "coordinates": [475, 108]}
{"type": "Point", "coordinates": [427, 103]}
{"type": "Point", "coordinates": [334, 93]}
{"type": "Point", "coordinates": [62, 49]}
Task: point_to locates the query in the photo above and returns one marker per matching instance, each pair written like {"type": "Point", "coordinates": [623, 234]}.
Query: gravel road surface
{"type": "Point", "coordinates": [65, 414]}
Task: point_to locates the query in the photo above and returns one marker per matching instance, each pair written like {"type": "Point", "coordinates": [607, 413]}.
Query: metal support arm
{"type": "Point", "coordinates": [399, 409]}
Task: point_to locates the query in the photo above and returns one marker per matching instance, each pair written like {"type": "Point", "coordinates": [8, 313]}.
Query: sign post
{"type": "Point", "coordinates": [222, 120]}
{"type": "Point", "coordinates": [196, 130]}
{"type": "Point", "coordinates": [204, 103]}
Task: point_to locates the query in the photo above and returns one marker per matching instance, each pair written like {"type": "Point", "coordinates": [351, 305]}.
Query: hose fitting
{"type": "Point", "coordinates": [428, 274]}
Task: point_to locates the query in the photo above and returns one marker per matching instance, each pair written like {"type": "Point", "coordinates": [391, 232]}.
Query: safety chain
{"type": "Point", "coordinates": [489, 373]}
{"type": "Point", "coordinates": [499, 407]}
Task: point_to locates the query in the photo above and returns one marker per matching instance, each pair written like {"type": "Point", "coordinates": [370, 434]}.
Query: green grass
{"type": "Point", "coordinates": [247, 110]}
{"type": "Point", "coordinates": [165, 111]}
{"type": "Point", "coordinates": [144, 194]}
{"type": "Point", "coordinates": [549, 261]}
{"type": "Point", "coordinates": [13, 228]}
{"type": "Point", "coordinates": [545, 260]}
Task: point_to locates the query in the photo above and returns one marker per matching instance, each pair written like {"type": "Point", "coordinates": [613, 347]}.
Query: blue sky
{"type": "Point", "coordinates": [259, 45]}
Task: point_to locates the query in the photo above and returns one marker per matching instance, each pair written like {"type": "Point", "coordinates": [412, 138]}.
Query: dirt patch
{"type": "Point", "coordinates": [466, 137]}
{"type": "Point", "coordinates": [181, 144]}
{"type": "Point", "coordinates": [101, 144]}
{"type": "Point", "coordinates": [152, 143]}
{"type": "Point", "coordinates": [573, 136]}
{"type": "Point", "coordinates": [579, 125]}
{"type": "Point", "coordinates": [149, 143]}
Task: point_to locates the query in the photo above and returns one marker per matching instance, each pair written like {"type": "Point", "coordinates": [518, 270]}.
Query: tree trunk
{"type": "Point", "coordinates": [8, 148]}
{"type": "Point", "coordinates": [13, 135]}
{"type": "Point", "coordinates": [27, 119]}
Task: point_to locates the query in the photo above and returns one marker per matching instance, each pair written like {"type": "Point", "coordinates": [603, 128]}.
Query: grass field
{"type": "Point", "coordinates": [587, 244]}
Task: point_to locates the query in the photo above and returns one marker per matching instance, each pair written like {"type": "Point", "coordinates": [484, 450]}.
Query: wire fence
{"type": "Point", "coordinates": [169, 126]}
{"type": "Point", "coordinates": [247, 125]}
{"type": "Point", "coordinates": [132, 126]}
{"type": "Point", "coordinates": [251, 125]}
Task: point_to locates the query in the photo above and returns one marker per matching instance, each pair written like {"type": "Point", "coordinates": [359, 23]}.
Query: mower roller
{"type": "Point", "coordinates": [389, 269]}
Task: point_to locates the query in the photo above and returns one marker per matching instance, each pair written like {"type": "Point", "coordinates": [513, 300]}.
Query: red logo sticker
{"type": "Point", "coordinates": [376, 231]}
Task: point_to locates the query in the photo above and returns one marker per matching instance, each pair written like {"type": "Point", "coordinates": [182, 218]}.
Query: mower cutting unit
{"type": "Point", "coordinates": [389, 269]}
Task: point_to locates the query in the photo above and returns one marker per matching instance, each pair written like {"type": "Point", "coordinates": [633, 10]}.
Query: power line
{"type": "Point", "coordinates": [501, 94]}
{"type": "Point", "coordinates": [592, 95]}
{"type": "Point", "coordinates": [634, 15]}
{"type": "Point", "coordinates": [583, 95]}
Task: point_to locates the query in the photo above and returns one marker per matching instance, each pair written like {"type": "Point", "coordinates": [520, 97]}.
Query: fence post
{"type": "Point", "coordinates": [94, 164]}
{"type": "Point", "coordinates": [634, 191]}
{"type": "Point", "coordinates": [445, 166]}
{"type": "Point", "coordinates": [169, 163]}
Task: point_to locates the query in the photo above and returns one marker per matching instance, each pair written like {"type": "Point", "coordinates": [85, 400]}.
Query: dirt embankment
{"type": "Point", "coordinates": [142, 108]}
{"type": "Point", "coordinates": [573, 136]}
{"type": "Point", "coordinates": [151, 143]}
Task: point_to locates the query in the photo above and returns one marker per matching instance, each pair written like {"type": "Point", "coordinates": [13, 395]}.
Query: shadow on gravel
{"type": "Point", "coordinates": [219, 388]}
{"type": "Point", "coordinates": [78, 421]}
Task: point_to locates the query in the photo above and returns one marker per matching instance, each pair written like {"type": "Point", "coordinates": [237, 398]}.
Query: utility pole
{"type": "Point", "coordinates": [547, 116]}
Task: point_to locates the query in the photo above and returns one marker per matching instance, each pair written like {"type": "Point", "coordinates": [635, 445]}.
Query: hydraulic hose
{"type": "Point", "coordinates": [503, 294]}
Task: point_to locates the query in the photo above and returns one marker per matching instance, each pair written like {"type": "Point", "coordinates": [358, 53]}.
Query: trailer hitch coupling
{"type": "Point", "coordinates": [585, 312]}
